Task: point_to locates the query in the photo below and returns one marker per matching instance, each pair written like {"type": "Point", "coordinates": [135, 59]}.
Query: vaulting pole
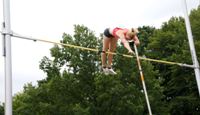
{"type": "Point", "coordinates": [142, 79]}
{"type": "Point", "coordinates": [7, 55]}
{"type": "Point", "coordinates": [191, 44]}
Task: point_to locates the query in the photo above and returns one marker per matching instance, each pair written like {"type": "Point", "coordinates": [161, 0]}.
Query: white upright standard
{"type": "Point", "coordinates": [191, 44]}
{"type": "Point", "coordinates": [7, 53]}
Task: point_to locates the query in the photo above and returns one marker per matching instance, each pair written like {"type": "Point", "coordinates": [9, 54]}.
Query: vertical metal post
{"type": "Point", "coordinates": [8, 64]}
{"type": "Point", "coordinates": [142, 79]}
{"type": "Point", "coordinates": [3, 41]}
{"type": "Point", "coordinates": [199, 2]}
{"type": "Point", "coordinates": [191, 44]}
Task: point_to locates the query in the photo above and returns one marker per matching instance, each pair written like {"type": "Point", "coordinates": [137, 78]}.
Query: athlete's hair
{"type": "Point", "coordinates": [133, 32]}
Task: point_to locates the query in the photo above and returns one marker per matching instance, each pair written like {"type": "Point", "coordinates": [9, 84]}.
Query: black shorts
{"type": "Point", "coordinates": [107, 33]}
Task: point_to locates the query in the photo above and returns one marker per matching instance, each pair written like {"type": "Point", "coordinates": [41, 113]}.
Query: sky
{"type": "Point", "coordinates": [49, 19]}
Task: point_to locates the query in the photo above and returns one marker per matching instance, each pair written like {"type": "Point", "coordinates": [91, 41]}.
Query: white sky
{"type": "Point", "coordinates": [48, 19]}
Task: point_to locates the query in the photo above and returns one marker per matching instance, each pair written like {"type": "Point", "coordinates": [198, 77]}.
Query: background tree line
{"type": "Point", "coordinates": [75, 85]}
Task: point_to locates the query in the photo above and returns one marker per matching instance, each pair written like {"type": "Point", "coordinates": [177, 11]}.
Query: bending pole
{"type": "Point", "coordinates": [191, 44]}
{"type": "Point", "coordinates": [142, 79]}
{"type": "Point", "coordinates": [7, 55]}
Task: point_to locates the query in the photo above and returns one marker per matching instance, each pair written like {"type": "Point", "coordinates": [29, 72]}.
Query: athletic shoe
{"type": "Point", "coordinates": [111, 71]}
{"type": "Point", "coordinates": [105, 71]}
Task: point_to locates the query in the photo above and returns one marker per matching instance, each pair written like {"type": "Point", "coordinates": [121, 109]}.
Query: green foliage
{"type": "Point", "coordinates": [115, 97]}
{"type": "Point", "coordinates": [1, 109]}
{"type": "Point", "coordinates": [171, 43]}
{"type": "Point", "coordinates": [21, 105]}
{"type": "Point", "coordinates": [185, 105]}
{"type": "Point", "coordinates": [194, 19]}
{"type": "Point", "coordinates": [195, 25]}
{"type": "Point", "coordinates": [145, 33]}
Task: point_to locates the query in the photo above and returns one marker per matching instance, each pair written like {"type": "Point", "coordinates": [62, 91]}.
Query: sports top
{"type": "Point", "coordinates": [115, 31]}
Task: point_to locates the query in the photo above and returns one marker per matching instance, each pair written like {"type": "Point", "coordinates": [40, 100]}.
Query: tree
{"type": "Point", "coordinates": [1, 109]}
{"type": "Point", "coordinates": [195, 25]}
{"type": "Point", "coordinates": [145, 33]}
{"type": "Point", "coordinates": [170, 43]}
{"type": "Point", "coordinates": [26, 102]}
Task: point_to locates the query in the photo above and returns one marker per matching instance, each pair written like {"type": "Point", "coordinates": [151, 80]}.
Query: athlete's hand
{"type": "Point", "coordinates": [131, 52]}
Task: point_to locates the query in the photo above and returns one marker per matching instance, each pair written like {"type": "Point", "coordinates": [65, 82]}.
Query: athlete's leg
{"type": "Point", "coordinates": [106, 42]}
{"type": "Point", "coordinates": [112, 48]}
